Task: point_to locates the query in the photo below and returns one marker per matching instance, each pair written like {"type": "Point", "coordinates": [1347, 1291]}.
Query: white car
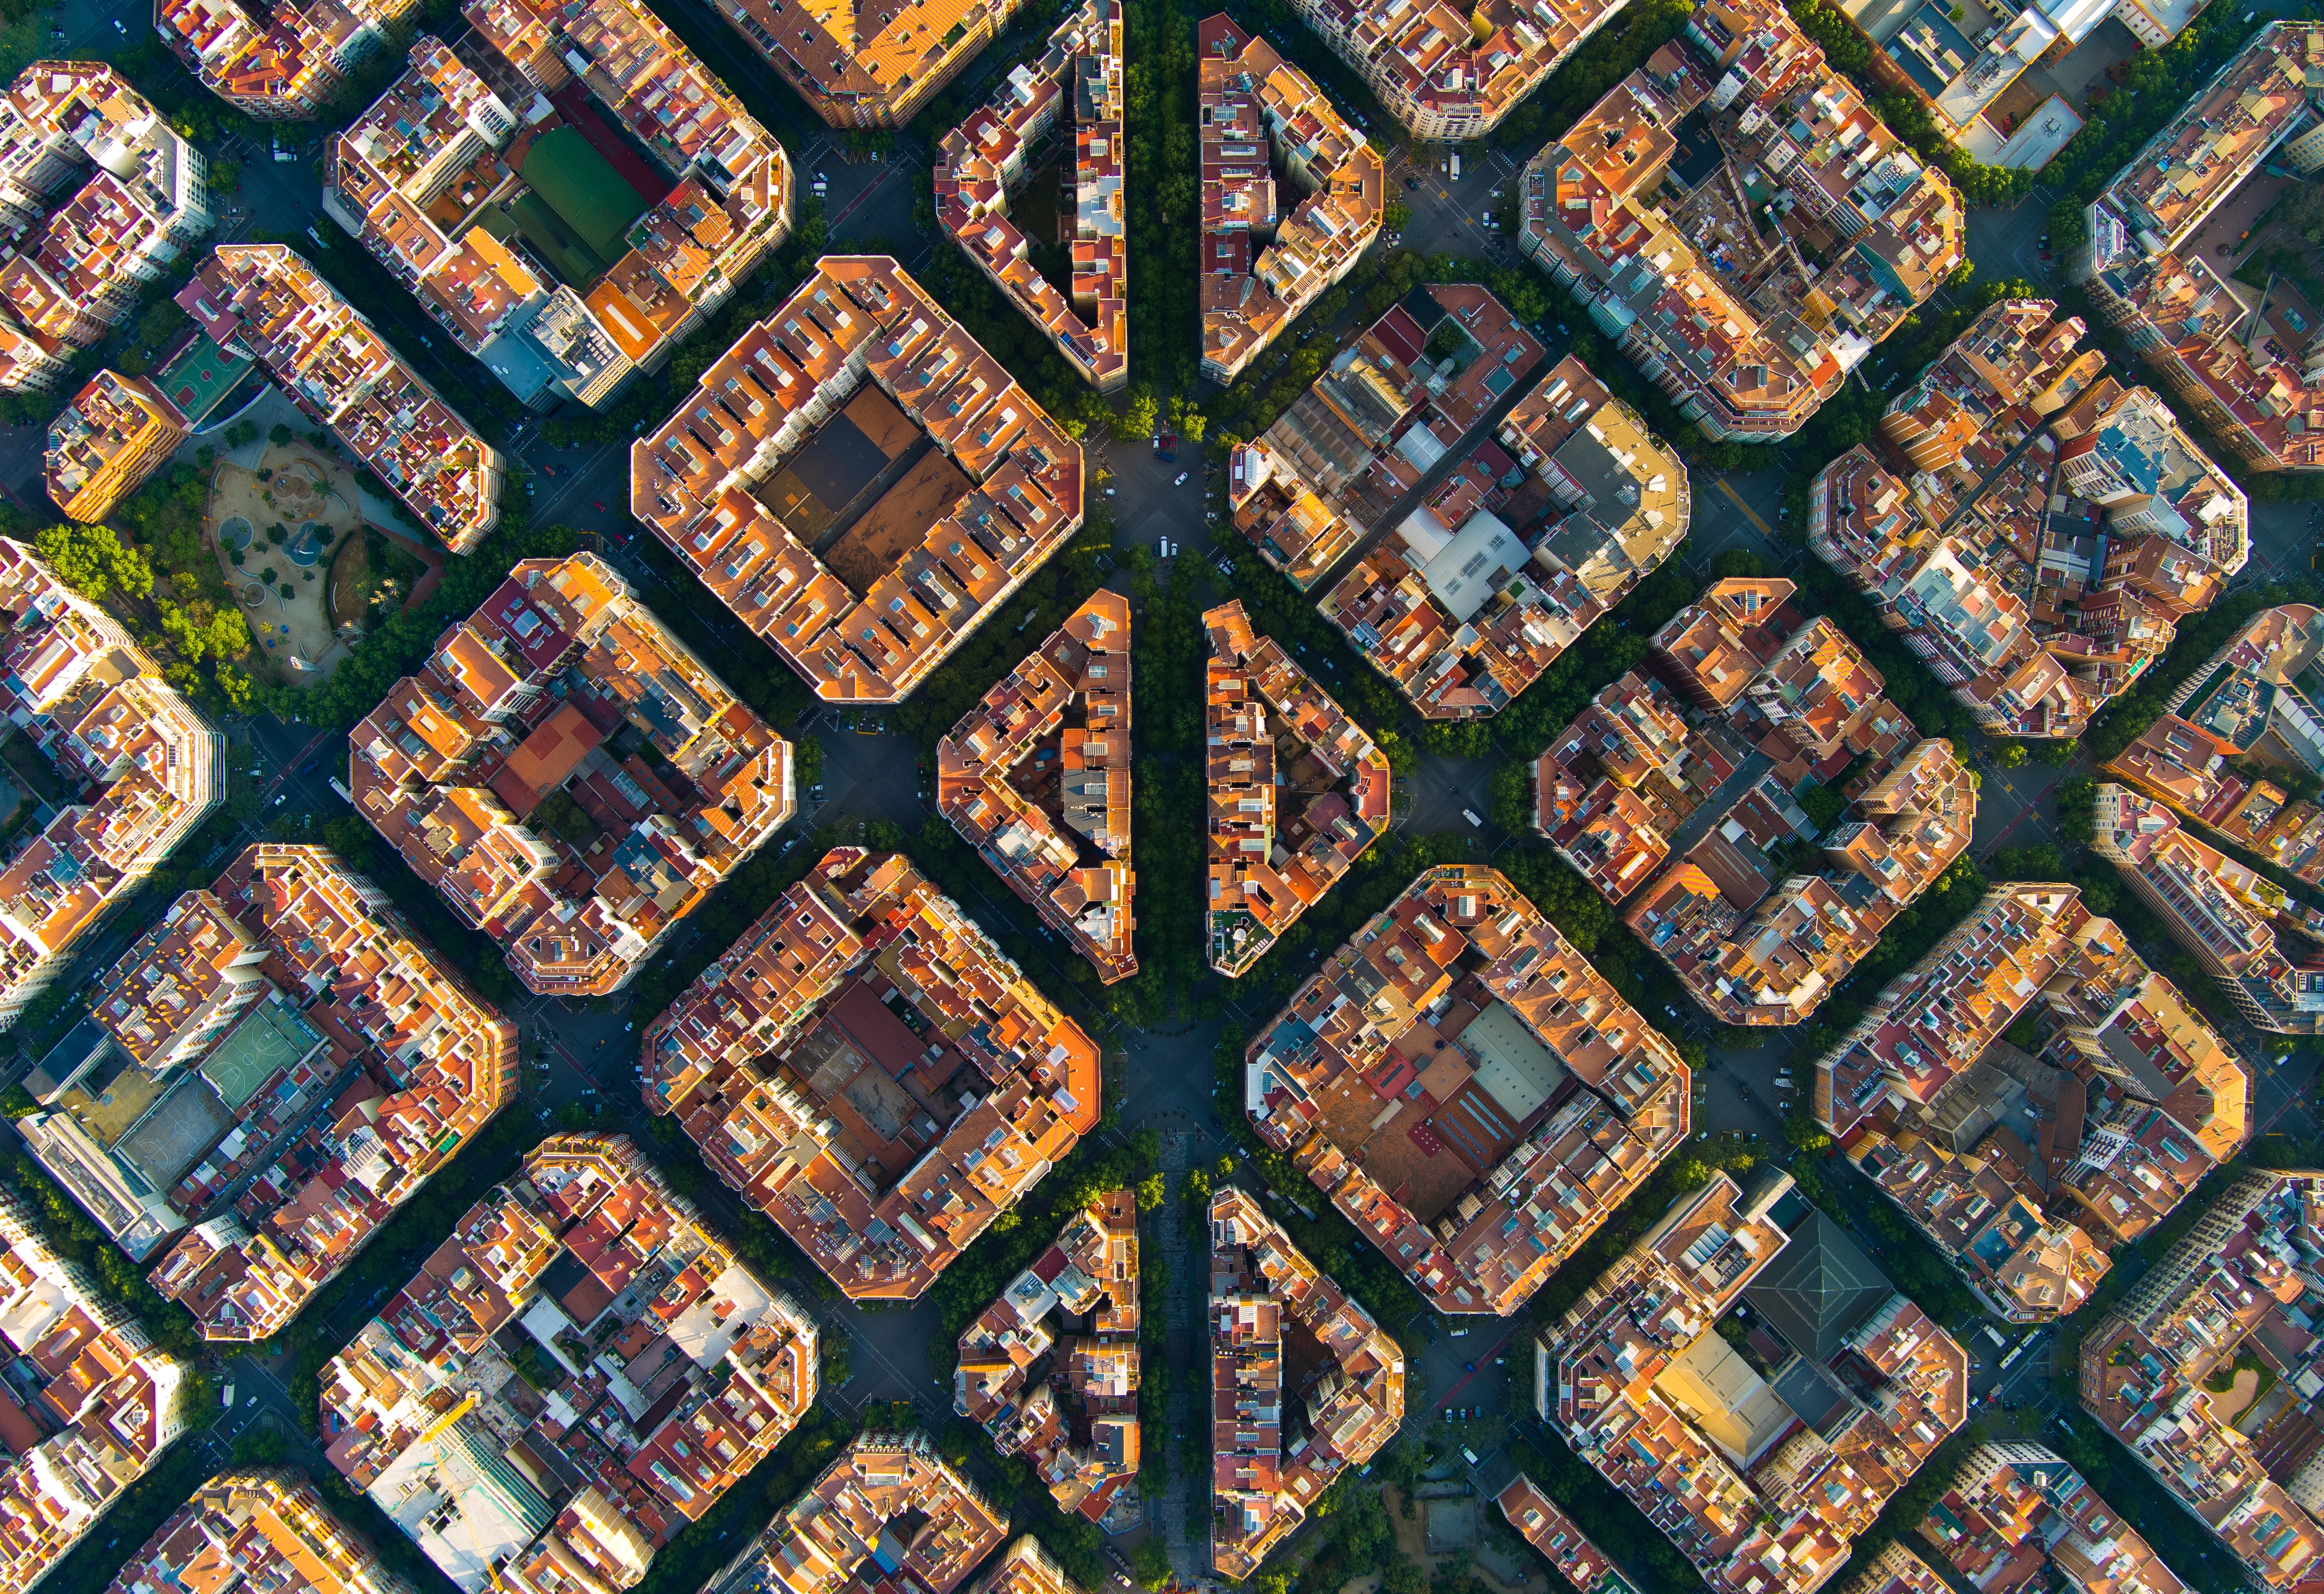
{"type": "Point", "coordinates": [1182, 478]}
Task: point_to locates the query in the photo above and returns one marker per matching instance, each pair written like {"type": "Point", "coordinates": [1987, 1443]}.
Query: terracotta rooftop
{"type": "Point", "coordinates": [540, 707]}
{"type": "Point", "coordinates": [1281, 1331]}
{"type": "Point", "coordinates": [1045, 803]}
{"type": "Point", "coordinates": [1266, 870]}
{"type": "Point", "coordinates": [1747, 338]}
{"type": "Point", "coordinates": [925, 573]}
{"type": "Point", "coordinates": [867, 1070]}
{"type": "Point", "coordinates": [1468, 1089]}
{"type": "Point", "coordinates": [658, 1370]}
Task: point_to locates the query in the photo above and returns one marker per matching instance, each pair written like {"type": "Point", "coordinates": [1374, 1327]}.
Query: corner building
{"type": "Point", "coordinates": [91, 1403]}
{"type": "Point", "coordinates": [101, 198]}
{"type": "Point", "coordinates": [1745, 337]}
{"type": "Point", "coordinates": [1469, 1091]}
{"type": "Point", "coordinates": [1762, 1469]}
{"type": "Point", "coordinates": [143, 767]}
{"type": "Point", "coordinates": [2253, 371]}
{"type": "Point", "coordinates": [262, 1529]}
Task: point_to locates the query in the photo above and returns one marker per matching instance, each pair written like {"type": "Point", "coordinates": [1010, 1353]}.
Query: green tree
{"type": "Point", "coordinates": [1151, 1564]}
{"type": "Point", "coordinates": [92, 560]}
{"type": "Point", "coordinates": [1138, 416]}
{"type": "Point", "coordinates": [281, 436]}
{"type": "Point", "coordinates": [1149, 1192]}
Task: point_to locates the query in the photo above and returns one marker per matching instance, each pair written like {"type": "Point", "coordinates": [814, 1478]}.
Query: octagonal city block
{"type": "Point", "coordinates": [1468, 1089]}
{"type": "Point", "coordinates": [859, 481]}
{"type": "Point", "coordinates": [575, 1374]}
{"type": "Point", "coordinates": [873, 1073]}
{"type": "Point", "coordinates": [568, 775]}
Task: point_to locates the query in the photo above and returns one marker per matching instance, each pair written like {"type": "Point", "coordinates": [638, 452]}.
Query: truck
{"type": "Point", "coordinates": [1456, 166]}
{"type": "Point", "coordinates": [1471, 815]}
{"type": "Point", "coordinates": [226, 1398]}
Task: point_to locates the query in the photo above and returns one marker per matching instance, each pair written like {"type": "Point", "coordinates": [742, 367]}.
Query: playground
{"type": "Point", "coordinates": [278, 514]}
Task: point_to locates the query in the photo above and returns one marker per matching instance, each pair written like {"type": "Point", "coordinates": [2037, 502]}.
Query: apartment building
{"type": "Point", "coordinates": [568, 776]}
{"type": "Point", "coordinates": [264, 301]}
{"type": "Point", "coordinates": [1458, 1052]}
{"type": "Point", "coordinates": [867, 70]}
{"type": "Point", "coordinates": [1414, 389]}
{"type": "Point", "coordinates": [1266, 869]}
{"type": "Point", "coordinates": [2215, 755]}
{"type": "Point", "coordinates": [862, 421]}
{"type": "Point", "coordinates": [91, 1405]}
{"type": "Point", "coordinates": [1963, 80]}
{"type": "Point", "coordinates": [1685, 803]}
{"type": "Point", "coordinates": [1026, 1568]}
{"type": "Point", "coordinates": [307, 1123]}
{"type": "Point", "coordinates": [121, 1090]}
{"type": "Point", "coordinates": [2226, 913]}
{"type": "Point", "coordinates": [1045, 802]}
{"type": "Point", "coordinates": [1264, 263]}
{"type": "Point", "coordinates": [1761, 1462]}
{"type": "Point", "coordinates": [2246, 362]}
{"type": "Point", "coordinates": [538, 237]}
{"type": "Point", "coordinates": [117, 432]}
{"type": "Point", "coordinates": [1077, 80]}
{"type": "Point", "coordinates": [1652, 221]}
{"type": "Point", "coordinates": [2028, 1160]}
{"type": "Point", "coordinates": [1303, 1384]}
{"type": "Point", "coordinates": [1448, 75]}
{"type": "Point", "coordinates": [1897, 1571]}
{"type": "Point", "coordinates": [101, 198]}
{"type": "Point", "coordinates": [867, 1070]}
{"type": "Point", "coordinates": [2231, 1302]}
{"type": "Point", "coordinates": [2033, 531]}
{"type": "Point", "coordinates": [139, 766]}
{"type": "Point", "coordinates": [2014, 1512]}
{"type": "Point", "coordinates": [265, 1527]}
{"type": "Point", "coordinates": [1548, 1529]}
{"type": "Point", "coordinates": [1065, 1397]}
{"type": "Point", "coordinates": [887, 1516]}
{"type": "Point", "coordinates": [582, 1369]}
{"type": "Point", "coordinates": [1517, 551]}
{"type": "Point", "coordinates": [282, 62]}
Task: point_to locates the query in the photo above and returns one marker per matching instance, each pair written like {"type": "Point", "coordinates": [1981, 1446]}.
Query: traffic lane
{"type": "Point", "coordinates": [1444, 791]}
{"type": "Point", "coordinates": [1149, 501]}
{"type": "Point", "coordinates": [870, 776]}
{"type": "Point", "coordinates": [876, 206]}
{"type": "Point", "coordinates": [2280, 1091]}
{"type": "Point", "coordinates": [23, 462]}
{"type": "Point", "coordinates": [1171, 1074]}
{"type": "Point", "coordinates": [2282, 534]}
{"type": "Point", "coordinates": [1445, 217]}
{"type": "Point", "coordinates": [2010, 800]}
{"type": "Point", "coordinates": [2004, 243]}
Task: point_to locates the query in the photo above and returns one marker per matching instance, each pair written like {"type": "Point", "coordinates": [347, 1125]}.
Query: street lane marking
{"type": "Point", "coordinates": [1748, 512]}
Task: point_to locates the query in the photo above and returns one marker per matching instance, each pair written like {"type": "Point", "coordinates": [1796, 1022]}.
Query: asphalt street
{"type": "Point", "coordinates": [1473, 1377]}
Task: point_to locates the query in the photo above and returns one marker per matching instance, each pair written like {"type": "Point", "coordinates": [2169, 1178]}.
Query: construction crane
{"type": "Point", "coordinates": [463, 1479]}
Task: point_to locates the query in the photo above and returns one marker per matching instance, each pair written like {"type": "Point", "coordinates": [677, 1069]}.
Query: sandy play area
{"type": "Point", "coordinates": [287, 515]}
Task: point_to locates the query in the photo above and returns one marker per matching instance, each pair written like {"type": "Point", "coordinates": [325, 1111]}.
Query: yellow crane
{"type": "Point", "coordinates": [428, 1434]}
